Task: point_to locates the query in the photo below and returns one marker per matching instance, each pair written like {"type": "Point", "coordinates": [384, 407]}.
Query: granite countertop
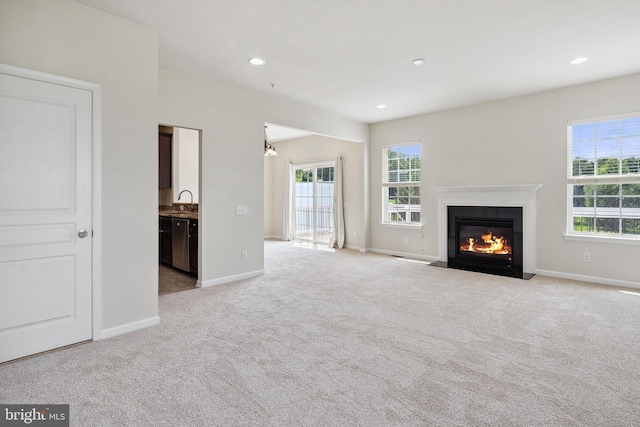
{"type": "Point", "coordinates": [179, 214]}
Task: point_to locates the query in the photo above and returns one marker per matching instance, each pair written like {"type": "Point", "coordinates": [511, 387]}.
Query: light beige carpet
{"type": "Point", "coordinates": [357, 339]}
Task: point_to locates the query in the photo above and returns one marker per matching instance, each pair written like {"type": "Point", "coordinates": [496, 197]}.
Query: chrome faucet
{"type": "Point", "coordinates": [179, 195]}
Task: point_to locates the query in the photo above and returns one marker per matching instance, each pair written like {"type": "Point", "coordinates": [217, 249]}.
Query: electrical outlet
{"type": "Point", "coordinates": [355, 234]}
{"type": "Point", "coordinates": [244, 255]}
{"type": "Point", "coordinates": [241, 210]}
{"type": "Point", "coordinates": [586, 257]}
{"type": "Point", "coordinates": [406, 239]}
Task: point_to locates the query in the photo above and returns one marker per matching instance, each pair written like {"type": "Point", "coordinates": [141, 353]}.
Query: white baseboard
{"type": "Point", "coordinates": [402, 254]}
{"type": "Point", "coordinates": [229, 279]}
{"type": "Point", "coordinates": [129, 327]}
{"type": "Point", "coordinates": [273, 237]}
{"type": "Point", "coordinates": [352, 247]}
{"type": "Point", "coordinates": [590, 279]}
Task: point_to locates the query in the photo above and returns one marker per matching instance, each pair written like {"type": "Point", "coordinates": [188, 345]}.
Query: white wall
{"type": "Point", "coordinates": [185, 158]}
{"type": "Point", "coordinates": [68, 39]}
{"type": "Point", "coordinates": [520, 140]}
{"type": "Point", "coordinates": [524, 138]}
{"type": "Point", "coordinates": [232, 159]}
{"type": "Point", "coordinates": [317, 149]}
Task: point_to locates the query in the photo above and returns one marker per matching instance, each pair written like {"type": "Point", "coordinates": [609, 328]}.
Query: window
{"type": "Point", "coordinates": [401, 184]}
{"type": "Point", "coordinates": [604, 177]}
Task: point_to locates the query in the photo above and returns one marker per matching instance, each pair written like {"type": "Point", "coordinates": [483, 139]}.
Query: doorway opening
{"type": "Point", "coordinates": [178, 208]}
{"type": "Point", "coordinates": [313, 201]}
{"type": "Point", "coordinates": [303, 190]}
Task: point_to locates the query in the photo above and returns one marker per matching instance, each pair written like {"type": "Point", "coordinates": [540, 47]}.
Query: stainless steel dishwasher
{"type": "Point", "coordinates": [180, 243]}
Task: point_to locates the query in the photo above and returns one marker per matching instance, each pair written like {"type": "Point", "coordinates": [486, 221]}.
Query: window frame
{"type": "Point", "coordinates": [595, 180]}
{"type": "Point", "coordinates": [386, 185]}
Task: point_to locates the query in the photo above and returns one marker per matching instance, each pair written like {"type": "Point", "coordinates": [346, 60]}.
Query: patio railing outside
{"type": "Point", "coordinates": [323, 221]}
{"type": "Point", "coordinates": [308, 194]}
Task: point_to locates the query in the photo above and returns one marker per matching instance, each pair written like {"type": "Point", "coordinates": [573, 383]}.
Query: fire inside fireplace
{"type": "Point", "coordinates": [484, 244]}
{"type": "Point", "coordinates": [485, 240]}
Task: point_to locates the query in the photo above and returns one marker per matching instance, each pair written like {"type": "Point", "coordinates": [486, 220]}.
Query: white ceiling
{"type": "Point", "coordinates": [348, 56]}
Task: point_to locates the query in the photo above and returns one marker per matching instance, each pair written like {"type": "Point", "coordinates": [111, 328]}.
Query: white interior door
{"type": "Point", "coordinates": [45, 204]}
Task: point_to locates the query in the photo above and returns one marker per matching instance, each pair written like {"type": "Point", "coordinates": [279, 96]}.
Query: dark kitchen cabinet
{"type": "Point", "coordinates": [164, 160]}
{"type": "Point", "coordinates": [193, 247]}
{"type": "Point", "coordinates": [166, 251]}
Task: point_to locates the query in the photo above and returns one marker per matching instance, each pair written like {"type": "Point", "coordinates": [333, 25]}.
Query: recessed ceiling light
{"type": "Point", "coordinates": [418, 61]}
{"type": "Point", "coordinates": [579, 60]}
{"type": "Point", "coordinates": [257, 61]}
{"type": "Point", "coordinates": [381, 106]}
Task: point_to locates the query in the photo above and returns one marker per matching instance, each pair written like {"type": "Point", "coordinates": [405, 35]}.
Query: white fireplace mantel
{"type": "Point", "coordinates": [523, 196]}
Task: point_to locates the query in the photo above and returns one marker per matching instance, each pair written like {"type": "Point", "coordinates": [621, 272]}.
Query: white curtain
{"type": "Point", "coordinates": [288, 217]}
{"type": "Point", "coordinates": [337, 238]}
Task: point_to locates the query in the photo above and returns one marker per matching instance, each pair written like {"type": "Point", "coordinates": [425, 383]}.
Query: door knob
{"type": "Point", "coordinates": [83, 233]}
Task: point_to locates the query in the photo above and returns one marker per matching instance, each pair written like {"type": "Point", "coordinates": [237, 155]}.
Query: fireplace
{"type": "Point", "coordinates": [486, 239]}
{"type": "Point", "coordinates": [488, 229]}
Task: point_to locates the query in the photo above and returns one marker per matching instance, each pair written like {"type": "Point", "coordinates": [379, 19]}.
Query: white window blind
{"type": "Point", "coordinates": [604, 148]}
{"type": "Point", "coordinates": [401, 164]}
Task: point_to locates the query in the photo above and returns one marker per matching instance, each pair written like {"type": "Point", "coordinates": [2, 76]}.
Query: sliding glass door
{"type": "Point", "coordinates": [313, 200]}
